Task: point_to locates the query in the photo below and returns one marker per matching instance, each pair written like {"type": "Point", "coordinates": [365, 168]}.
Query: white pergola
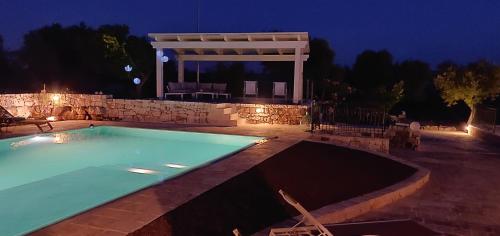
{"type": "Point", "coordinates": [276, 46]}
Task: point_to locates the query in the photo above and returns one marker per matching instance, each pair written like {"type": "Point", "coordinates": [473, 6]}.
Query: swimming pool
{"type": "Point", "coordinates": [49, 177]}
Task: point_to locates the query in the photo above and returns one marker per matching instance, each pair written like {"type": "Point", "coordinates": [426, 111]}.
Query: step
{"type": "Point", "coordinates": [228, 110]}
{"type": "Point", "coordinates": [234, 116]}
{"type": "Point", "coordinates": [222, 105]}
{"type": "Point", "coordinates": [225, 123]}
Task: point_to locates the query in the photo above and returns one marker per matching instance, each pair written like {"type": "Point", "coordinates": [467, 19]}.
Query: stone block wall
{"type": "Point", "coordinates": [39, 105]}
{"type": "Point", "coordinates": [80, 106]}
{"type": "Point", "coordinates": [166, 111]}
{"type": "Point", "coordinates": [272, 113]}
{"type": "Point", "coordinates": [77, 106]}
{"type": "Point", "coordinates": [369, 143]}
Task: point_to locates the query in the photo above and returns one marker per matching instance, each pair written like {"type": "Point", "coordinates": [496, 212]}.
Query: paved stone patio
{"type": "Point", "coordinates": [461, 198]}
{"type": "Point", "coordinates": [463, 194]}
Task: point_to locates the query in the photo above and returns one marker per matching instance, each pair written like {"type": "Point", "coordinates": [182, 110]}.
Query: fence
{"type": "Point", "coordinates": [485, 118]}
{"type": "Point", "coordinates": [343, 120]}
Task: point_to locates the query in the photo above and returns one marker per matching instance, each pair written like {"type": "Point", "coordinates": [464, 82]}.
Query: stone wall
{"type": "Point", "coordinates": [167, 111]}
{"type": "Point", "coordinates": [272, 113]}
{"type": "Point", "coordinates": [81, 106]}
{"type": "Point", "coordinates": [373, 144]}
{"type": "Point", "coordinates": [39, 105]}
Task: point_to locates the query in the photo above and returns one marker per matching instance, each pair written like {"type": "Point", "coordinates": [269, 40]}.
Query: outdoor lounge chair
{"type": "Point", "coordinates": [205, 89]}
{"type": "Point", "coordinates": [181, 89]}
{"type": "Point", "coordinates": [250, 89]}
{"type": "Point", "coordinates": [313, 227]}
{"type": "Point", "coordinates": [7, 119]}
{"type": "Point", "coordinates": [221, 90]}
{"type": "Point", "coordinates": [279, 89]}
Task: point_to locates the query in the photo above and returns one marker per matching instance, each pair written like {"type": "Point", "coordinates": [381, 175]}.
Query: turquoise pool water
{"type": "Point", "coordinates": [49, 177]}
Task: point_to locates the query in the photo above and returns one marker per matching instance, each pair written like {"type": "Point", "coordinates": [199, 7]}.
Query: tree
{"type": "Point", "coordinates": [84, 59]}
{"type": "Point", "coordinates": [231, 73]}
{"type": "Point", "coordinates": [471, 84]}
{"type": "Point", "coordinates": [3, 59]}
{"type": "Point", "coordinates": [373, 76]}
{"type": "Point", "coordinates": [319, 69]}
{"type": "Point", "coordinates": [134, 51]}
{"type": "Point", "coordinates": [4, 65]}
{"type": "Point", "coordinates": [418, 80]}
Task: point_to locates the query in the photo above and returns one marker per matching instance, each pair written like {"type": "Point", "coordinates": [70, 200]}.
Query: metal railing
{"type": "Point", "coordinates": [347, 121]}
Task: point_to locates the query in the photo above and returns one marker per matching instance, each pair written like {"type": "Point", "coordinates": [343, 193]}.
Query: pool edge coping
{"type": "Point", "coordinates": [351, 208]}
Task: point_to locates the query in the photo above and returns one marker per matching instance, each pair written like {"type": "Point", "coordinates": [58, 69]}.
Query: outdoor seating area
{"type": "Point", "coordinates": [234, 47]}
{"type": "Point", "coordinates": [219, 92]}
{"type": "Point", "coordinates": [195, 90]}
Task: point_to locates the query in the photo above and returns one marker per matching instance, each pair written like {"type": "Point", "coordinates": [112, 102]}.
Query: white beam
{"type": "Point", "coordinates": [297, 76]}
{"type": "Point", "coordinates": [240, 57]}
{"type": "Point", "coordinates": [159, 75]}
{"type": "Point", "coordinates": [230, 45]}
{"type": "Point", "coordinates": [180, 70]}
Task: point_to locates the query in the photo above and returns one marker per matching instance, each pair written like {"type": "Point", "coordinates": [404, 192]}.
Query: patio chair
{"type": "Point", "coordinates": [279, 89]}
{"type": "Point", "coordinates": [7, 119]}
{"type": "Point", "coordinates": [250, 89]}
{"type": "Point", "coordinates": [221, 90]}
{"type": "Point", "coordinates": [313, 227]}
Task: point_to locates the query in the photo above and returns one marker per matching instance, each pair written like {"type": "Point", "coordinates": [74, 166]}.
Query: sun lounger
{"type": "Point", "coordinates": [7, 119]}
{"type": "Point", "coordinates": [312, 225]}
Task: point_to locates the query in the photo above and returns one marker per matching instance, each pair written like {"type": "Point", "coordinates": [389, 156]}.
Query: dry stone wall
{"type": "Point", "coordinates": [89, 106]}
{"type": "Point", "coordinates": [373, 144]}
{"type": "Point", "coordinates": [166, 111]}
{"type": "Point", "coordinates": [272, 113]}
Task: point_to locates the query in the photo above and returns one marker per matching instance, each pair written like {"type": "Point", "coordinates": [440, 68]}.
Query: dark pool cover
{"type": "Point", "coordinates": [315, 174]}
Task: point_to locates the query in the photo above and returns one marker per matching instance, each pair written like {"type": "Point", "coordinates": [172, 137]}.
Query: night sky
{"type": "Point", "coordinates": [430, 30]}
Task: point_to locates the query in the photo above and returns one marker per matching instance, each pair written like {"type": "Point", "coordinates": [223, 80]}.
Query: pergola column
{"type": "Point", "coordinates": [297, 76]}
{"type": "Point", "coordinates": [159, 74]}
{"type": "Point", "coordinates": [180, 70]}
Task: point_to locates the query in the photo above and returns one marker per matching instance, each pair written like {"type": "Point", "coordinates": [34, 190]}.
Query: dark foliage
{"type": "Point", "coordinates": [83, 59]}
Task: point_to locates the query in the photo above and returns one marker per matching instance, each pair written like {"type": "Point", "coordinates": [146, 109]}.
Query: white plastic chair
{"type": "Point", "coordinates": [250, 88]}
{"type": "Point", "coordinates": [313, 227]}
{"type": "Point", "coordinates": [279, 89]}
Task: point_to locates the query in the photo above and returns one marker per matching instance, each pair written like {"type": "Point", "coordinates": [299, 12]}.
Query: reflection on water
{"type": "Point", "coordinates": [57, 138]}
{"type": "Point", "coordinates": [178, 166]}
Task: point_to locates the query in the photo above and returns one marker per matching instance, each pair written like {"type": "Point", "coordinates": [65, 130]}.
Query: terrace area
{"type": "Point", "coordinates": [149, 211]}
{"type": "Point", "coordinates": [167, 150]}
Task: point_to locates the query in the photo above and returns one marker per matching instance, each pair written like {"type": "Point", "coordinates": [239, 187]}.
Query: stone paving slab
{"type": "Point", "coordinates": [463, 194]}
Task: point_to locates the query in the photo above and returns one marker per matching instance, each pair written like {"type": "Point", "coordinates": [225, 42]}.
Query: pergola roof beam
{"type": "Point", "coordinates": [230, 45]}
{"type": "Point", "coordinates": [239, 57]}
